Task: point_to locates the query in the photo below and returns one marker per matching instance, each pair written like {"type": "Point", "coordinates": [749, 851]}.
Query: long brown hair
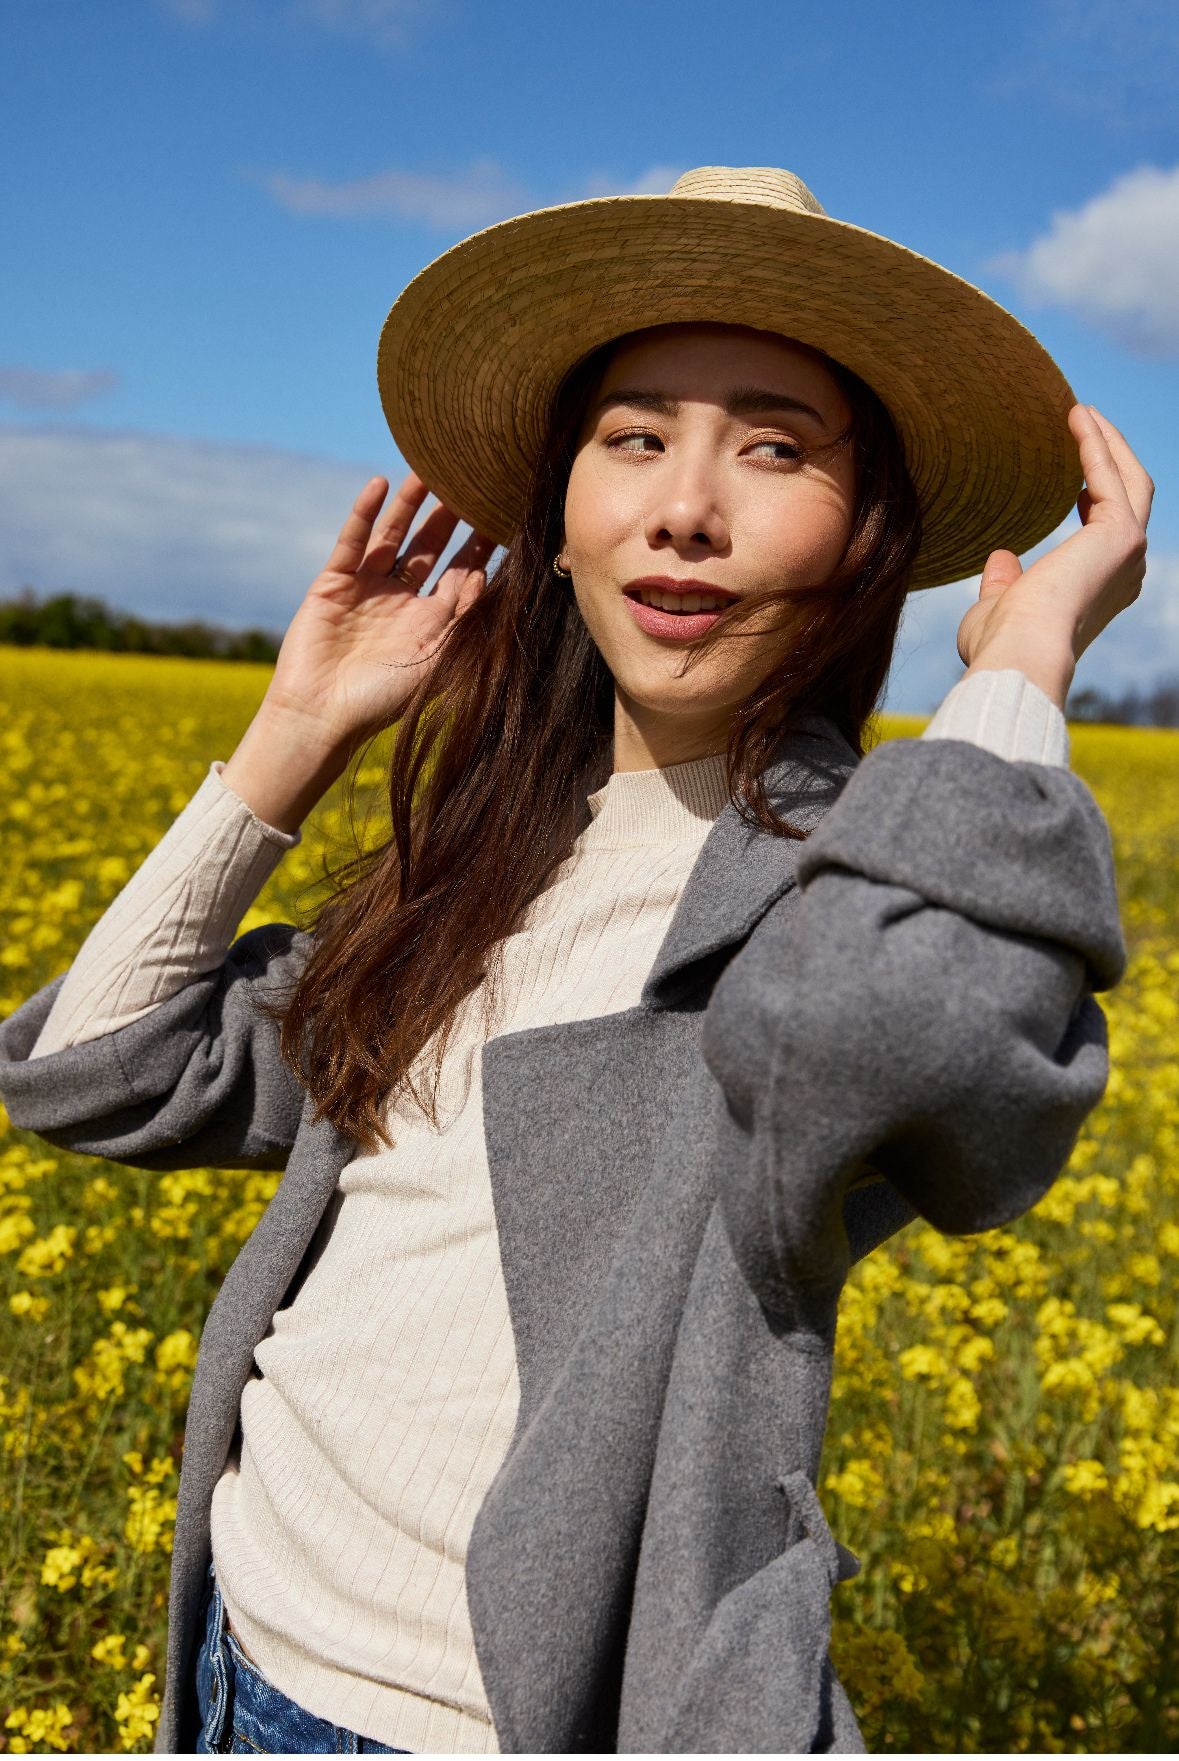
{"type": "Point", "coordinates": [497, 747]}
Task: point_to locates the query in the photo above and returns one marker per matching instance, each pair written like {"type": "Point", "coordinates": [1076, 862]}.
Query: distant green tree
{"type": "Point", "coordinates": [66, 620]}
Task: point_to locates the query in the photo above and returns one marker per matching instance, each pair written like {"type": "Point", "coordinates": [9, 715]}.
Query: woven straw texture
{"type": "Point", "coordinates": [474, 349]}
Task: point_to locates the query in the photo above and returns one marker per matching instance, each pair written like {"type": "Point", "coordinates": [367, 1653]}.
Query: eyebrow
{"type": "Point", "coordinates": [742, 400]}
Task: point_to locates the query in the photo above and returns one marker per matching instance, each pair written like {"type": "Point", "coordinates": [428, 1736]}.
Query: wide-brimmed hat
{"type": "Point", "coordinates": [473, 351]}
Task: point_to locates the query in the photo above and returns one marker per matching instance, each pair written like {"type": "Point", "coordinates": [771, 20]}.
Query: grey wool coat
{"type": "Point", "coordinates": [892, 1019]}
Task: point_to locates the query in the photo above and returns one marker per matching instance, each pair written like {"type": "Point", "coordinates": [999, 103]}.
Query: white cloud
{"type": "Point", "coordinates": [1114, 262]}
{"type": "Point", "coordinates": [379, 22]}
{"type": "Point", "coordinates": [474, 198]}
{"type": "Point", "coordinates": [191, 11]}
{"type": "Point", "coordinates": [168, 527]}
{"type": "Point", "coordinates": [62, 389]}
{"type": "Point", "coordinates": [655, 182]}
{"type": "Point", "coordinates": [451, 202]}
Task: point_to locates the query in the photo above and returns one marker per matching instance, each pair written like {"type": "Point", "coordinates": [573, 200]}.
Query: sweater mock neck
{"type": "Point", "coordinates": [674, 804]}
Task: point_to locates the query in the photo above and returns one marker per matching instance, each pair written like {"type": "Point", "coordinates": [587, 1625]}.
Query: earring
{"type": "Point", "coordinates": [566, 574]}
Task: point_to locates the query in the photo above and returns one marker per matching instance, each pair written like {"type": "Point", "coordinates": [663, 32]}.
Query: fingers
{"type": "Point", "coordinates": [423, 550]}
{"type": "Point", "coordinates": [1138, 485]}
{"type": "Point", "coordinates": [1112, 472]}
{"type": "Point", "coordinates": [465, 576]}
{"type": "Point", "coordinates": [400, 514]}
{"type": "Point", "coordinates": [348, 553]}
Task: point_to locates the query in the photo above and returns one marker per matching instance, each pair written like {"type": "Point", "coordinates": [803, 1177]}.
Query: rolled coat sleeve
{"type": "Point", "coordinates": [921, 1006]}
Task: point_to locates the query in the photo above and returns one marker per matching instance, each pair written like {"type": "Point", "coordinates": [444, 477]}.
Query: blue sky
{"type": "Point", "coordinates": [210, 205]}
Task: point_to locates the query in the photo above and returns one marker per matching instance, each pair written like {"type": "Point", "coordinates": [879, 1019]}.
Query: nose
{"type": "Point", "coordinates": [684, 510]}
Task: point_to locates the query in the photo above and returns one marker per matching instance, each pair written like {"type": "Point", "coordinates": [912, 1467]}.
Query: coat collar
{"type": "Point", "coordinates": [741, 869]}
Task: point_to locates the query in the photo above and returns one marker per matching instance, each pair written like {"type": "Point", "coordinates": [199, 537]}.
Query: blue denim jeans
{"type": "Point", "coordinates": [244, 1714]}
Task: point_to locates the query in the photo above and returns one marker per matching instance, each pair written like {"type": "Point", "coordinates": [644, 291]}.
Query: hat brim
{"type": "Point", "coordinates": [472, 352]}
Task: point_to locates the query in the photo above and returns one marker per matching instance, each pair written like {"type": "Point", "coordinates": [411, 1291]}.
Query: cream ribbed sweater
{"type": "Point", "coordinates": [384, 1397]}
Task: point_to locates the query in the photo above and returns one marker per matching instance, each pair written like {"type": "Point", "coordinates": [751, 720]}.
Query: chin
{"type": "Point", "coordinates": [659, 696]}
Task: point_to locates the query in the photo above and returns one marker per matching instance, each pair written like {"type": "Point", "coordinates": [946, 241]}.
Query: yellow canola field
{"type": "Point", "coordinates": [1003, 1445]}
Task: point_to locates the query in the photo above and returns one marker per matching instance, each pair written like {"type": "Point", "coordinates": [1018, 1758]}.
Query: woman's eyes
{"type": "Point", "coordinates": [788, 450]}
{"type": "Point", "coordinates": [619, 442]}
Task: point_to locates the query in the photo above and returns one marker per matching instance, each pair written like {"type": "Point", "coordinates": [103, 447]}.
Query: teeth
{"type": "Point", "coordinates": [680, 601]}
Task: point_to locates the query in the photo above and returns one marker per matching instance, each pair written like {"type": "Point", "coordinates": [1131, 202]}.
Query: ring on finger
{"type": "Point", "coordinates": [400, 572]}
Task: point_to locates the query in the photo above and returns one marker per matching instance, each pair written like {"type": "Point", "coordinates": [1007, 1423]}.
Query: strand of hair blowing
{"type": "Point", "coordinates": [497, 748]}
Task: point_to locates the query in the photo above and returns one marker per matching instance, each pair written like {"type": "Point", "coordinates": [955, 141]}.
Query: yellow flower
{"type": "Point", "coordinates": [1136, 1326]}
{"type": "Point", "coordinates": [1158, 1508]}
{"type": "Point", "coordinates": [923, 1360]}
{"type": "Point", "coordinates": [906, 1576]}
{"type": "Point", "coordinates": [136, 1712]}
{"type": "Point", "coordinates": [948, 1257]}
{"type": "Point", "coordinates": [1140, 1407]}
{"type": "Point", "coordinates": [1144, 1268]}
{"type": "Point", "coordinates": [113, 1298]}
{"type": "Point", "coordinates": [962, 1406]}
{"type": "Point", "coordinates": [1004, 1552]}
{"type": "Point", "coordinates": [149, 1519]}
{"type": "Point", "coordinates": [936, 1525]}
{"type": "Point", "coordinates": [103, 1376]}
{"type": "Point", "coordinates": [988, 1311]}
{"type": "Point", "coordinates": [1095, 1590]}
{"type": "Point", "coordinates": [23, 1302]}
{"type": "Point", "coordinates": [110, 1650]}
{"type": "Point", "coordinates": [113, 872]}
{"type": "Point", "coordinates": [859, 1484]}
{"type": "Point", "coordinates": [162, 1467]}
{"type": "Point", "coordinates": [99, 1191]}
{"type": "Point", "coordinates": [61, 1566]}
{"type": "Point", "coordinates": [176, 1356]}
{"type": "Point", "coordinates": [1083, 1477]}
{"type": "Point", "coordinates": [173, 1222]}
{"type": "Point", "coordinates": [973, 1352]}
{"type": "Point", "coordinates": [38, 1728]}
{"type": "Point", "coordinates": [96, 1236]}
{"type": "Point", "coordinates": [879, 1663]}
{"type": "Point", "coordinates": [41, 1259]}
{"type": "Point", "coordinates": [14, 1229]}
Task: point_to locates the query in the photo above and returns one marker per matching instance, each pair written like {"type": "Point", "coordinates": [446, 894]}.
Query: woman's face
{"type": "Point", "coordinates": [685, 468]}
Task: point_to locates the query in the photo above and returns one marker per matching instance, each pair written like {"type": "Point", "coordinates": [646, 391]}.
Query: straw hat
{"type": "Point", "coordinates": [472, 352]}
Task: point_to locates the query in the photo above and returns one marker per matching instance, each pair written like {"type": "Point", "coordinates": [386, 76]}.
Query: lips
{"type": "Point", "coordinates": [677, 626]}
{"type": "Point", "coordinates": [666, 587]}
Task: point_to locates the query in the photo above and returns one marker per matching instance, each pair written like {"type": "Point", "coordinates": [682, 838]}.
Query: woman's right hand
{"type": "Point", "coordinates": [363, 637]}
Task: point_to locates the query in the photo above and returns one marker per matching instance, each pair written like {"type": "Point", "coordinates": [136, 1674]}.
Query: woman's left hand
{"type": "Point", "coordinates": [1051, 612]}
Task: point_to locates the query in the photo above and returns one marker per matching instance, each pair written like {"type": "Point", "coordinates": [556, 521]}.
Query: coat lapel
{"type": "Point", "coordinates": [741, 869]}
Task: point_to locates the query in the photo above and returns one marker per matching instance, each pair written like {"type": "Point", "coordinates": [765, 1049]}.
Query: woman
{"type": "Point", "coordinates": [662, 1004]}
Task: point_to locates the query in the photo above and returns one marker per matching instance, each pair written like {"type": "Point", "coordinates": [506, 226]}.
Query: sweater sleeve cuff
{"type": "Point", "coordinates": [1002, 710]}
{"type": "Point", "coordinates": [285, 840]}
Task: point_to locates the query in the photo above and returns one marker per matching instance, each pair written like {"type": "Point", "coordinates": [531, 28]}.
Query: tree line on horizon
{"type": "Point", "coordinates": [70, 620]}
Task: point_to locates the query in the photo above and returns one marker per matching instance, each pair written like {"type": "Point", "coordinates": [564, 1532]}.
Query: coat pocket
{"type": "Point", "coordinates": [760, 1680]}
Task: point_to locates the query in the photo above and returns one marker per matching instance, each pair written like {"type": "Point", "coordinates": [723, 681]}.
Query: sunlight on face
{"type": "Point", "coordinates": [691, 476]}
